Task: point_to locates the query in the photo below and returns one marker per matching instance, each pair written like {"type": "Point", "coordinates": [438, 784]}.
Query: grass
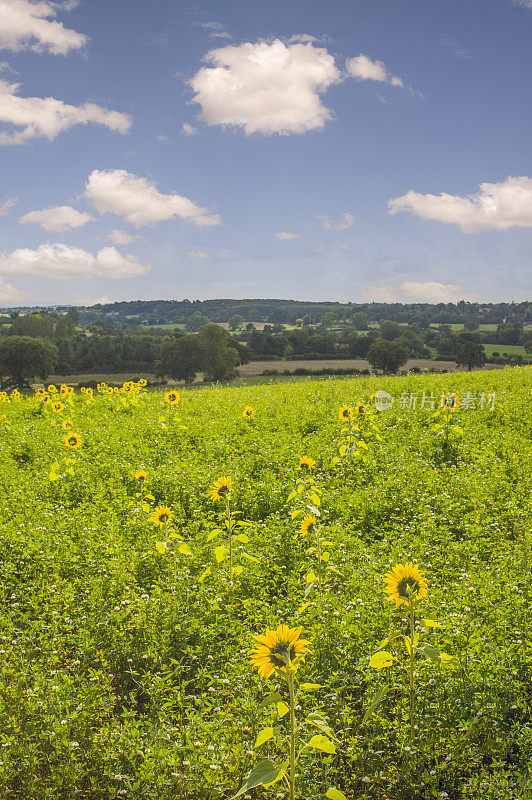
{"type": "Point", "coordinates": [124, 668]}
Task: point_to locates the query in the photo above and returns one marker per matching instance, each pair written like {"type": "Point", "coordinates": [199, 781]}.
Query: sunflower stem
{"type": "Point", "coordinates": [230, 530]}
{"type": "Point", "coordinates": [292, 776]}
{"type": "Point", "coordinates": [411, 671]}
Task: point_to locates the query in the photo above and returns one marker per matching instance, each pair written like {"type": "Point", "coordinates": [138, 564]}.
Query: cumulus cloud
{"type": "Point", "coordinates": [47, 117]}
{"type": "Point", "coordinates": [9, 295]}
{"type": "Point", "coordinates": [197, 254]}
{"type": "Point", "coordinates": [188, 129]}
{"type": "Point", "coordinates": [381, 294]}
{"type": "Point", "coordinates": [122, 237]}
{"type": "Point", "coordinates": [266, 87]}
{"type": "Point", "coordinates": [6, 207]}
{"type": "Point", "coordinates": [432, 292]}
{"type": "Point", "coordinates": [344, 221]}
{"type": "Point", "coordinates": [496, 206]}
{"type": "Point", "coordinates": [62, 262]}
{"type": "Point", "coordinates": [57, 218]}
{"type": "Point", "coordinates": [364, 69]}
{"type": "Point", "coordinates": [28, 25]}
{"type": "Point", "coordinates": [116, 191]}
{"type": "Point", "coordinates": [284, 236]}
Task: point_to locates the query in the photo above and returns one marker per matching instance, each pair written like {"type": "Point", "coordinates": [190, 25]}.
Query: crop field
{"type": "Point", "coordinates": [382, 557]}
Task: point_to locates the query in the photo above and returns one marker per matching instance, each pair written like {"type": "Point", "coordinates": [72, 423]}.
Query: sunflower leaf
{"type": "Point", "coordinates": [379, 697]}
{"type": "Point", "coordinates": [263, 736]}
{"type": "Point", "coordinates": [335, 794]}
{"type": "Point", "coordinates": [270, 699]}
{"type": "Point", "coordinates": [322, 743]}
{"type": "Point", "coordinates": [262, 773]}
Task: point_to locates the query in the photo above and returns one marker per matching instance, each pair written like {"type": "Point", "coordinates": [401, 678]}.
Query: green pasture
{"type": "Point", "coordinates": [124, 669]}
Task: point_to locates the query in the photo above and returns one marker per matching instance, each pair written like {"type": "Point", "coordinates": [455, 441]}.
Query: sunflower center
{"type": "Point", "coordinates": [223, 491]}
{"type": "Point", "coordinates": [407, 587]}
{"type": "Point", "coordinates": [163, 518]}
{"type": "Point", "coordinates": [281, 653]}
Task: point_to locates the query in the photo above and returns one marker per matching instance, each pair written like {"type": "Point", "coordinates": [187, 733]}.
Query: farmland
{"type": "Point", "coordinates": [133, 582]}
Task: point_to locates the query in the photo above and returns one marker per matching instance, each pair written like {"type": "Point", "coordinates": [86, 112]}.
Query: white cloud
{"type": "Point", "coordinates": [432, 292]}
{"type": "Point", "coordinates": [380, 294]}
{"type": "Point", "coordinates": [122, 237]}
{"type": "Point", "coordinates": [31, 25]}
{"type": "Point", "coordinates": [524, 3]}
{"type": "Point", "coordinates": [284, 236]}
{"type": "Point", "coordinates": [116, 191]}
{"type": "Point", "coordinates": [47, 117]}
{"type": "Point", "coordinates": [364, 69]}
{"type": "Point", "coordinates": [496, 206]}
{"type": "Point", "coordinates": [188, 129]}
{"type": "Point", "coordinates": [94, 301]}
{"type": "Point", "coordinates": [62, 262]}
{"type": "Point", "coordinates": [344, 221]}
{"type": "Point", "coordinates": [197, 254]}
{"type": "Point", "coordinates": [7, 206]}
{"type": "Point", "coordinates": [215, 30]}
{"type": "Point", "coordinates": [163, 138]}
{"type": "Point", "coordinates": [57, 218]}
{"type": "Point", "coordinates": [9, 295]}
{"type": "Point", "coordinates": [266, 87]}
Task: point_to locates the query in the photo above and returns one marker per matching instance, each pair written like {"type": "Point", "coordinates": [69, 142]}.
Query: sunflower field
{"type": "Point", "coordinates": [302, 589]}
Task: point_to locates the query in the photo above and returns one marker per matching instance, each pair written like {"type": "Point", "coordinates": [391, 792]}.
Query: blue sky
{"type": "Point", "coordinates": [356, 150]}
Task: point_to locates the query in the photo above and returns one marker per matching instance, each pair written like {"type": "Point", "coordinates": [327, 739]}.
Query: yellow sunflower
{"type": "Point", "coordinates": [360, 409]}
{"type": "Point", "coordinates": [275, 649]}
{"type": "Point", "coordinates": [248, 412]}
{"type": "Point", "coordinates": [405, 583]}
{"type": "Point", "coordinates": [306, 464]}
{"type": "Point", "coordinates": [345, 413]}
{"type": "Point", "coordinates": [72, 441]}
{"type": "Point", "coordinates": [451, 401]}
{"type": "Point", "coordinates": [58, 407]}
{"type": "Point", "coordinates": [67, 425]}
{"type": "Point", "coordinates": [308, 525]}
{"type": "Point", "coordinates": [140, 475]}
{"type": "Point", "coordinates": [142, 382]}
{"type": "Point", "coordinates": [161, 516]}
{"type": "Point", "coordinates": [51, 389]}
{"type": "Point", "coordinates": [172, 398]}
{"type": "Point", "coordinates": [221, 489]}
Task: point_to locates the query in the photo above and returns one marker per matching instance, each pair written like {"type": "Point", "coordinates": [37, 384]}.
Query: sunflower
{"type": "Point", "coordinates": [161, 516]}
{"type": "Point", "coordinates": [46, 398]}
{"type": "Point", "coordinates": [360, 409]}
{"type": "Point", "coordinates": [306, 464]}
{"type": "Point", "coordinates": [405, 583]}
{"type": "Point", "coordinates": [72, 441]}
{"type": "Point", "coordinates": [51, 389]}
{"type": "Point", "coordinates": [58, 407]}
{"type": "Point", "coordinates": [248, 412]}
{"type": "Point", "coordinates": [345, 413]}
{"type": "Point", "coordinates": [451, 401]}
{"type": "Point", "coordinates": [308, 525]}
{"type": "Point", "coordinates": [276, 648]}
{"type": "Point", "coordinates": [221, 489]}
{"type": "Point", "coordinates": [67, 425]}
{"type": "Point", "coordinates": [142, 382]}
{"type": "Point", "coordinates": [140, 475]}
{"type": "Point", "coordinates": [172, 398]}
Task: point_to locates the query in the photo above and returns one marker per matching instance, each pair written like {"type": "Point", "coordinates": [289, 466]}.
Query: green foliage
{"type": "Point", "coordinates": [22, 358]}
{"type": "Point", "coordinates": [124, 673]}
{"type": "Point", "coordinates": [387, 356]}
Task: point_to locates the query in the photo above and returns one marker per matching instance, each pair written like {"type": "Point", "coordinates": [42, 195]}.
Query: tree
{"type": "Point", "coordinates": [329, 318]}
{"type": "Point", "coordinates": [34, 326]}
{"type": "Point", "coordinates": [360, 320]}
{"type": "Point", "coordinates": [509, 332]}
{"type": "Point", "coordinates": [235, 322]}
{"type": "Point", "coordinates": [219, 358]}
{"type": "Point", "coordinates": [387, 356]}
{"type": "Point", "coordinates": [180, 357]}
{"type": "Point", "coordinates": [22, 358]}
{"type": "Point", "coordinates": [470, 354]}
{"type": "Point", "coordinates": [196, 322]}
{"type": "Point", "coordinates": [390, 330]}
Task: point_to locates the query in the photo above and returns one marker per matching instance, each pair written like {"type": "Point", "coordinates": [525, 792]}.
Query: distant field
{"type": "Point", "coordinates": [511, 349]}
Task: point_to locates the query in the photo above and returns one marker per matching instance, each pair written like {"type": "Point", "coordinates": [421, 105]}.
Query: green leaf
{"type": "Point", "coordinates": [296, 513]}
{"type": "Point", "coordinates": [262, 773]}
{"type": "Point", "coordinates": [250, 558]}
{"type": "Point", "coordinates": [320, 722]}
{"type": "Point", "coordinates": [319, 742]}
{"type": "Point", "coordinates": [381, 694]}
{"type": "Point", "coordinates": [315, 499]}
{"type": "Point", "coordinates": [204, 574]}
{"type": "Point", "coordinates": [242, 538]}
{"type": "Point", "coordinates": [263, 736]}
{"type": "Point", "coordinates": [282, 709]}
{"type": "Point", "coordinates": [291, 496]}
{"type": "Point", "coordinates": [185, 550]}
{"type": "Point", "coordinates": [213, 534]}
{"type": "Point", "coordinates": [161, 547]}
{"type": "Point", "coordinates": [310, 687]}
{"type": "Point", "coordinates": [430, 623]}
{"type": "Point", "coordinates": [274, 697]}
{"type": "Point", "coordinates": [311, 577]}
{"type": "Point", "coordinates": [220, 553]}
{"type": "Point", "coordinates": [335, 794]}
{"type": "Point", "coordinates": [432, 653]}
{"type": "Point", "coordinates": [381, 660]}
